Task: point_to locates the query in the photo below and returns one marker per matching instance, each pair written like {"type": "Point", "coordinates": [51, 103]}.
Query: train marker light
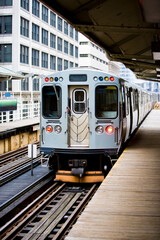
{"type": "Point", "coordinates": [46, 79]}
{"type": "Point", "coordinates": [100, 78]}
{"type": "Point", "coordinates": [111, 79]}
{"type": "Point", "coordinates": [99, 129]}
{"type": "Point", "coordinates": [109, 129]}
{"type": "Point", "coordinates": [56, 79]}
{"type": "Point", "coordinates": [57, 129]}
{"type": "Point", "coordinates": [95, 78]}
{"type": "Point", "coordinates": [51, 79]}
{"type": "Point", "coordinates": [106, 78]}
{"type": "Point", "coordinates": [61, 79]}
{"type": "Point", "coordinates": [49, 128]}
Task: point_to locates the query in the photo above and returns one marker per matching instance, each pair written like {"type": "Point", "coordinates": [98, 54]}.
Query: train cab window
{"type": "Point", "coordinates": [79, 100]}
{"type": "Point", "coordinates": [51, 101]}
{"type": "Point", "coordinates": [106, 105]}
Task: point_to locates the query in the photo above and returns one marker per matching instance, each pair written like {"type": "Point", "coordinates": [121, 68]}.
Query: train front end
{"type": "Point", "coordinates": [80, 124]}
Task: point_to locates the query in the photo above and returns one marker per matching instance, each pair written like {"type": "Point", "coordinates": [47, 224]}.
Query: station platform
{"type": "Point", "coordinates": [7, 127]}
{"type": "Point", "coordinates": [127, 204]}
{"type": "Point", "coordinates": [14, 135]}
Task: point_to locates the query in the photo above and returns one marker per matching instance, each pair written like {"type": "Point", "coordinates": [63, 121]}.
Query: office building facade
{"type": "Point", "coordinates": [34, 41]}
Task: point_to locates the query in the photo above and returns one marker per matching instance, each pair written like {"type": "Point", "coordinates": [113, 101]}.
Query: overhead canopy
{"type": "Point", "coordinates": [7, 74]}
{"type": "Point", "coordinates": [128, 30]}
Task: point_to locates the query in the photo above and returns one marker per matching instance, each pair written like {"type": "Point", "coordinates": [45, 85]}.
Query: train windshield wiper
{"type": "Point", "coordinates": [54, 86]}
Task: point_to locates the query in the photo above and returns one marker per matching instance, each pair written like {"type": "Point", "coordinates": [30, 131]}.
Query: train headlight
{"type": "Point", "coordinates": [99, 129]}
{"type": "Point", "coordinates": [109, 129]}
{"type": "Point", "coordinates": [57, 129]}
{"type": "Point", "coordinates": [49, 128]}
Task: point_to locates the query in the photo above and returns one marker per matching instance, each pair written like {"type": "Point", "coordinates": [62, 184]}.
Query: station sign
{"type": "Point", "coordinates": [7, 94]}
{"type": "Point", "coordinates": [8, 104]}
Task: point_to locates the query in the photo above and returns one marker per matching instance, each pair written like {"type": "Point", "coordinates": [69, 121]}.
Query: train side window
{"type": "Point", "coordinates": [51, 101]}
{"type": "Point", "coordinates": [127, 100]}
{"type": "Point", "coordinates": [106, 102]}
{"type": "Point", "coordinates": [79, 100]}
{"type": "Point", "coordinates": [135, 100]}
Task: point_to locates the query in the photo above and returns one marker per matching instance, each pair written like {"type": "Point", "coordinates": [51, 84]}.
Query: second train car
{"type": "Point", "coordinates": [86, 116]}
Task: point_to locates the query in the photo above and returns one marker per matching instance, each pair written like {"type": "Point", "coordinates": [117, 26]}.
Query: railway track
{"type": "Point", "coordinates": [14, 155]}
{"type": "Point", "coordinates": [51, 214]}
{"type": "Point", "coordinates": [15, 163]}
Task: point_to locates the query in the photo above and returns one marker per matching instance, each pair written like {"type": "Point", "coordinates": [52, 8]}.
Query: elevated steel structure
{"type": "Point", "coordinates": [129, 31]}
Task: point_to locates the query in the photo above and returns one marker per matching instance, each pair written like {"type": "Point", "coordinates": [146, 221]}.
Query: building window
{"type": "Point", "coordinates": [44, 60]}
{"type": "Point", "coordinates": [35, 32]}
{"type": "Point", "coordinates": [76, 65]}
{"type": "Point", "coordinates": [52, 19]}
{"type": "Point", "coordinates": [76, 52]}
{"type": "Point", "coordinates": [36, 105]}
{"type": "Point", "coordinates": [71, 31]}
{"type": "Point", "coordinates": [44, 36]}
{"type": "Point", "coordinates": [24, 54]}
{"type": "Point", "coordinates": [25, 84]}
{"type": "Point", "coordinates": [59, 64]}
{"type": "Point", "coordinates": [25, 4]}
{"type": "Point", "coordinates": [35, 57]}
{"type": "Point", "coordinates": [35, 84]}
{"type": "Point", "coordinates": [59, 43]}
{"type": "Point", "coordinates": [71, 64]}
{"type": "Point", "coordinates": [52, 62]}
{"type": "Point", "coordinates": [66, 47]}
{"type": "Point", "coordinates": [65, 27]}
{"type": "Point", "coordinates": [3, 85]}
{"type": "Point", "coordinates": [52, 40]}
{"type": "Point", "coordinates": [83, 43]}
{"type": "Point", "coordinates": [85, 55]}
{"type": "Point", "coordinates": [5, 52]}
{"type": "Point", "coordinates": [71, 49]}
{"type": "Point", "coordinates": [65, 64]}
{"type": "Point", "coordinates": [60, 24]}
{"type": "Point", "coordinates": [24, 29]}
{"type": "Point", "coordinates": [44, 14]}
{"type": "Point", "coordinates": [6, 3]}
{"type": "Point", "coordinates": [76, 35]}
{"type": "Point", "coordinates": [35, 7]}
{"type": "Point", "coordinates": [5, 24]}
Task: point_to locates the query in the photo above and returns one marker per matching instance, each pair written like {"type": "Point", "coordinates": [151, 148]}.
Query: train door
{"type": "Point", "coordinates": [123, 120]}
{"type": "Point", "coordinates": [78, 125]}
{"type": "Point", "coordinates": [127, 112]}
{"type": "Point", "coordinates": [131, 108]}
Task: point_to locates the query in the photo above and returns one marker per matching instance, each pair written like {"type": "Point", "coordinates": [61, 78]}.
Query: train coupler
{"type": "Point", "coordinates": [77, 166]}
{"type": "Point", "coordinates": [78, 171]}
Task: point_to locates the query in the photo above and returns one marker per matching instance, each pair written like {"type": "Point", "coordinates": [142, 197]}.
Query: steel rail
{"type": "Point", "coordinates": [9, 230]}
{"type": "Point", "coordinates": [51, 215]}
{"type": "Point", "coordinates": [17, 171]}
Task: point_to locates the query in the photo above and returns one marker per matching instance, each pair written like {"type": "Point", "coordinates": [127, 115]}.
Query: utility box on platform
{"type": "Point", "coordinates": [32, 150]}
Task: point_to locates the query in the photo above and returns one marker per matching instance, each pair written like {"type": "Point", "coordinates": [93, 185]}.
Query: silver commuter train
{"type": "Point", "coordinates": [86, 116]}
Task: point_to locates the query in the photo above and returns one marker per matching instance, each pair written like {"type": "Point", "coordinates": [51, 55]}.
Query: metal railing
{"type": "Point", "coordinates": [24, 111]}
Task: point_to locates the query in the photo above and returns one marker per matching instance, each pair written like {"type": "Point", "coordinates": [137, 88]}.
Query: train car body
{"type": "Point", "coordinates": [86, 116]}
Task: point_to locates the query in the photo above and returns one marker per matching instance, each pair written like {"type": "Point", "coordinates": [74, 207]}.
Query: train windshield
{"type": "Point", "coordinates": [51, 101]}
{"type": "Point", "coordinates": [106, 105]}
